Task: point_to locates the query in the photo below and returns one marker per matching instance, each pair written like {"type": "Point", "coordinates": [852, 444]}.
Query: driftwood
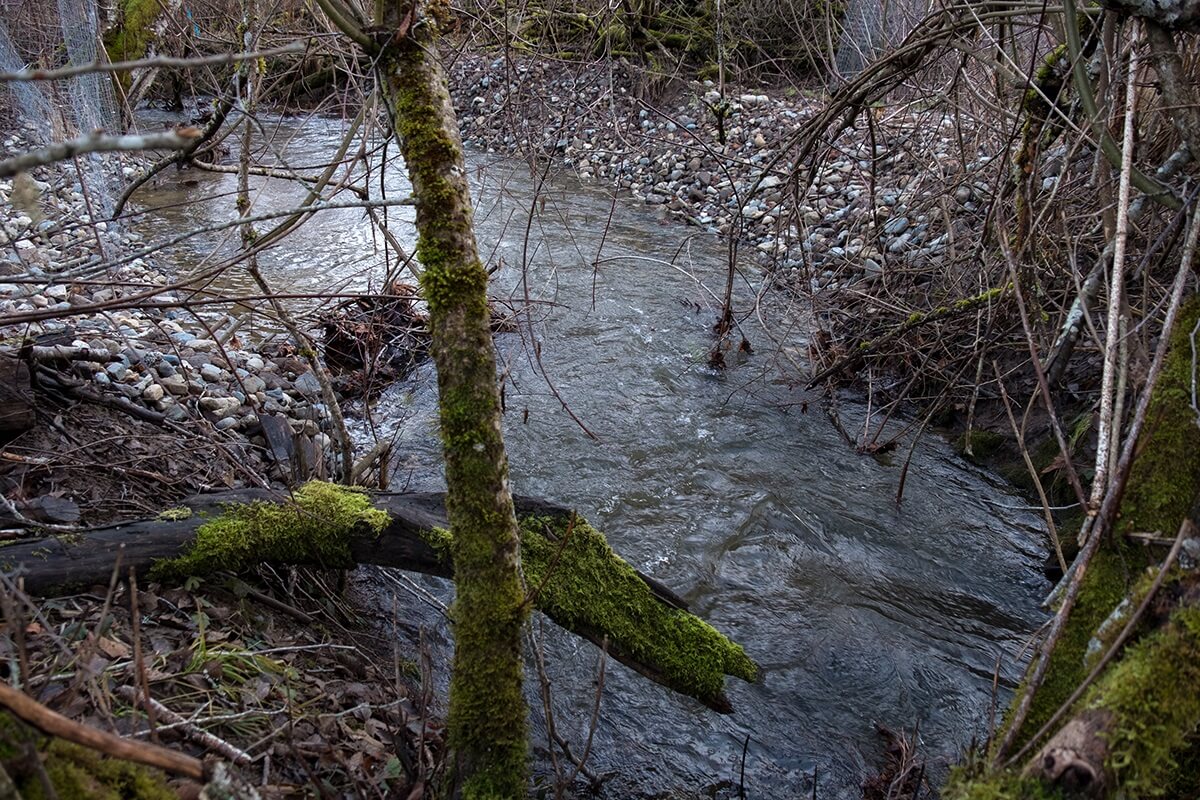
{"type": "Point", "coordinates": [62, 563]}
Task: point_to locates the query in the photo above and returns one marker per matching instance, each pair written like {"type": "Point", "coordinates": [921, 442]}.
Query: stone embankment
{"type": "Point", "coordinates": [184, 368]}
{"type": "Point", "coordinates": [906, 196]}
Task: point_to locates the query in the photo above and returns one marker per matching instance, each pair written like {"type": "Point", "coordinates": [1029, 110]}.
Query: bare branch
{"type": "Point", "coordinates": [158, 62]}
{"type": "Point", "coordinates": [95, 142]}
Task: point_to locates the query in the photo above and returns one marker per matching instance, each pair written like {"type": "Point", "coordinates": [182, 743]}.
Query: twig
{"type": "Point", "coordinates": [158, 62]}
{"type": "Point", "coordinates": [1106, 434]}
{"type": "Point", "coordinates": [196, 734]}
{"type": "Point", "coordinates": [1112, 499]}
{"type": "Point", "coordinates": [56, 724]}
{"type": "Point", "coordinates": [1033, 474]}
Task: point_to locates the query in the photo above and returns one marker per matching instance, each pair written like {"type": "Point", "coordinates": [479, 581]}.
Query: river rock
{"type": "Point", "coordinates": [174, 383]}
{"type": "Point", "coordinates": [307, 384]}
{"type": "Point", "coordinates": [219, 407]}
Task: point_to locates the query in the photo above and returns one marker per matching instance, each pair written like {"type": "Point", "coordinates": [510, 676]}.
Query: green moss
{"type": "Point", "coordinates": [979, 445]}
{"type": "Point", "coordinates": [487, 717]}
{"type": "Point", "coordinates": [1152, 695]}
{"type": "Point", "coordinates": [1104, 587]}
{"type": "Point", "coordinates": [439, 539]}
{"type": "Point", "coordinates": [1163, 481]}
{"type": "Point", "coordinates": [591, 589]}
{"type": "Point", "coordinates": [75, 772]}
{"type": "Point", "coordinates": [130, 40]}
{"type": "Point", "coordinates": [315, 527]}
{"type": "Point", "coordinates": [175, 514]}
{"type": "Point", "coordinates": [1161, 491]}
{"type": "Point", "coordinates": [969, 784]}
{"type": "Point", "coordinates": [584, 585]}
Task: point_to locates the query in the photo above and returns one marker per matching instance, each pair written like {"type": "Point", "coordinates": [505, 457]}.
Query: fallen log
{"type": "Point", "coordinates": [572, 574]}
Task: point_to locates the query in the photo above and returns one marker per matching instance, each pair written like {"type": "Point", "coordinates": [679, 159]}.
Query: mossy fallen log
{"type": "Point", "coordinates": [571, 573]}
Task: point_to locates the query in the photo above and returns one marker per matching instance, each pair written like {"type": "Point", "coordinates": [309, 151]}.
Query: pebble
{"type": "Point", "coordinates": [308, 384]}
{"type": "Point", "coordinates": [175, 384]}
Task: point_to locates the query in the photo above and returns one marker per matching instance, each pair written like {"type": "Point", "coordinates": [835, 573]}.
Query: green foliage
{"type": "Point", "coordinates": [75, 772]}
{"type": "Point", "coordinates": [581, 583]}
{"type": "Point", "coordinates": [1152, 695]}
{"type": "Point", "coordinates": [315, 527]}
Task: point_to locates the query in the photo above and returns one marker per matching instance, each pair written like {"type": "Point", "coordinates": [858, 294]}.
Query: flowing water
{"type": "Point", "coordinates": [859, 610]}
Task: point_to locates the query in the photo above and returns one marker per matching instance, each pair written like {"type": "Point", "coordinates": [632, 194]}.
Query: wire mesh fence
{"type": "Point", "coordinates": [870, 27]}
{"type": "Point", "coordinates": [46, 35]}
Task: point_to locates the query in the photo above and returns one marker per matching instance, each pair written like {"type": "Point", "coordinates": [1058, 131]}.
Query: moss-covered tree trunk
{"type": "Point", "coordinates": [1128, 734]}
{"type": "Point", "coordinates": [133, 35]}
{"type": "Point", "coordinates": [487, 709]}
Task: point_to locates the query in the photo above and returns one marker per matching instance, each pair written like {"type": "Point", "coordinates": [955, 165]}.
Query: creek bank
{"type": "Point", "coordinates": [902, 198]}
{"type": "Point", "coordinates": [173, 366]}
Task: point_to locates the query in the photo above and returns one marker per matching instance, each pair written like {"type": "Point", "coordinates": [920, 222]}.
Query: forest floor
{"type": "Point", "coordinates": [119, 413]}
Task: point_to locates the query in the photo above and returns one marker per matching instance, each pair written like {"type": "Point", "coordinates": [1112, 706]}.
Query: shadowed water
{"type": "Point", "coordinates": [859, 610]}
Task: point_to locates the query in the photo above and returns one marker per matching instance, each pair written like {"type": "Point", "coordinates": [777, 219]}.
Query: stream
{"type": "Point", "coordinates": [726, 486]}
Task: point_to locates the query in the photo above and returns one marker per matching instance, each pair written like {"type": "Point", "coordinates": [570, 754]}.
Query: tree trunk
{"type": "Point", "coordinates": [1127, 733]}
{"type": "Point", "coordinates": [487, 720]}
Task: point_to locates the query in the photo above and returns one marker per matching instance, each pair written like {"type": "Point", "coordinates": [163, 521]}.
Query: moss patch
{"type": "Point", "coordinates": [583, 584]}
{"type": "Point", "coordinates": [1162, 488]}
{"type": "Point", "coordinates": [76, 773]}
{"type": "Point", "coordinates": [1156, 707]}
{"type": "Point", "coordinates": [978, 445]}
{"type": "Point", "coordinates": [1163, 481]}
{"type": "Point", "coordinates": [966, 784]}
{"type": "Point", "coordinates": [131, 39]}
{"type": "Point", "coordinates": [315, 527]}
{"type": "Point", "coordinates": [1104, 587]}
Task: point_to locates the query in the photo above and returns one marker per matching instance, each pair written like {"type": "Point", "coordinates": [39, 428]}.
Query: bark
{"type": "Point", "coordinates": [410, 541]}
{"type": "Point", "coordinates": [487, 719]}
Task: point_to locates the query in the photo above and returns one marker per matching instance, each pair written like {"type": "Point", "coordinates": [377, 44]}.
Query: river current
{"type": "Point", "coordinates": [732, 487]}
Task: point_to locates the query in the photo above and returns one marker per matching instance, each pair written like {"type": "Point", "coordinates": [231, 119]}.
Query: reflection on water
{"type": "Point", "coordinates": [860, 611]}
